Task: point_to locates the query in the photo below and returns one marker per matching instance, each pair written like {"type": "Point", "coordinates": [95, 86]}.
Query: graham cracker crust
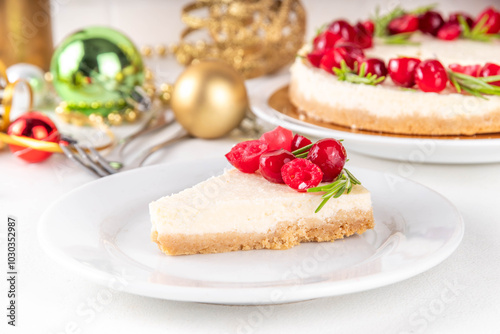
{"type": "Point", "coordinates": [459, 124]}
{"type": "Point", "coordinates": [286, 235]}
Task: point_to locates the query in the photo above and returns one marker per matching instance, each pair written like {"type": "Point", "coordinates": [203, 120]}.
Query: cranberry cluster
{"type": "Point", "coordinates": [432, 23]}
{"type": "Point", "coordinates": [340, 42]}
{"type": "Point", "coordinates": [281, 157]}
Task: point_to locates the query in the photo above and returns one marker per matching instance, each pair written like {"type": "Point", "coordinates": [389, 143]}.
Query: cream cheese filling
{"type": "Point", "coordinates": [245, 203]}
{"type": "Point", "coordinates": [386, 99]}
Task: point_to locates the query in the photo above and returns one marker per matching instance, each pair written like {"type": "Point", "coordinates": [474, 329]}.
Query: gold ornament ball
{"type": "Point", "coordinates": [209, 99]}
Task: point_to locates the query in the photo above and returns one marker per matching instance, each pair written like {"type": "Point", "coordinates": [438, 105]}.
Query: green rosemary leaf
{"type": "Point", "coordinates": [455, 84]}
{"type": "Point", "coordinates": [473, 92]}
{"type": "Point", "coordinates": [354, 180]}
{"type": "Point", "coordinates": [491, 78]}
{"type": "Point", "coordinates": [320, 30]}
{"type": "Point", "coordinates": [322, 204]}
{"type": "Point", "coordinates": [478, 33]}
{"type": "Point", "coordinates": [302, 149]}
{"type": "Point", "coordinates": [340, 192]}
{"type": "Point", "coordinates": [402, 39]}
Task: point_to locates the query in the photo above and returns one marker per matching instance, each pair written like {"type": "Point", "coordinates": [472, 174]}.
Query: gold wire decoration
{"type": "Point", "coordinates": [256, 37]}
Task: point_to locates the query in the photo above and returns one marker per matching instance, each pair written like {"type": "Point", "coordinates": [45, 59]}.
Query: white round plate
{"type": "Point", "coordinates": [102, 231]}
{"type": "Point", "coordinates": [420, 150]}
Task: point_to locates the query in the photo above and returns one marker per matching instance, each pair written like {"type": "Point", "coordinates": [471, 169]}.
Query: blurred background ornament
{"type": "Point", "coordinates": [26, 32]}
{"type": "Point", "coordinates": [35, 77]}
{"type": "Point", "coordinates": [37, 126]}
{"type": "Point", "coordinates": [209, 99]}
{"type": "Point", "coordinates": [98, 71]}
{"type": "Point", "coordinates": [256, 37]}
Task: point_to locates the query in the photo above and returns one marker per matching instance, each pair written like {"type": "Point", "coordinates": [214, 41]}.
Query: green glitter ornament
{"type": "Point", "coordinates": [97, 70]}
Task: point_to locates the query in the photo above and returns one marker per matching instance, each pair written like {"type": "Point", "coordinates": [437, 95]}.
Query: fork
{"type": "Point", "coordinates": [93, 162]}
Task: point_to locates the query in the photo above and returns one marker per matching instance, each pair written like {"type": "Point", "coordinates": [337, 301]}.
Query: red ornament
{"type": "Point", "coordinates": [37, 126]}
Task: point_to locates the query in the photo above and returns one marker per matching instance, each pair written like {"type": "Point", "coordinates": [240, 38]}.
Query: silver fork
{"type": "Point", "coordinates": [93, 162]}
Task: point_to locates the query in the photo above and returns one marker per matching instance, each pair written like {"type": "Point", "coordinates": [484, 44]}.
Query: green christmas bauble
{"type": "Point", "coordinates": [95, 70]}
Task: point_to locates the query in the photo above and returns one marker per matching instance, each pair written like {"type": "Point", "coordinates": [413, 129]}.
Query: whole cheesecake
{"type": "Point", "coordinates": [240, 211]}
{"type": "Point", "coordinates": [389, 108]}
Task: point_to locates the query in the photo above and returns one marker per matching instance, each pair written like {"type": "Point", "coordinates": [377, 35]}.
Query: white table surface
{"type": "Point", "coordinates": [461, 295]}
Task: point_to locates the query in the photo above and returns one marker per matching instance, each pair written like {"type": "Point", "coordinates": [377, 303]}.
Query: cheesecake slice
{"type": "Point", "coordinates": [238, 211]}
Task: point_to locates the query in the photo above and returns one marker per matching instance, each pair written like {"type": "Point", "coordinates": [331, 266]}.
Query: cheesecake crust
{"type": "Point", "coordinates": [286, 235]}
{"type": "Point", "coordinates": [459, 124]}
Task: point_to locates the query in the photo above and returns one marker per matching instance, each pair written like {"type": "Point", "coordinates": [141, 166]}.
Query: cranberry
{"type": "Point", "coordinates": [301, 174]}
{"type": "Point", "coordinates": [454, 18]}
{"type": "Point", "coordinates": [472, 70]}
{"type": "Point", "coordinates": [245, 155]}
{"type": "Point", "coordinates": [342, 29]}
{"type": "Point", "coordinates": [369, 26]}
{"type": "Point", "coordinates": [430, 22]}
{"type": "Point", "coordinates": [270, 164]}
{"type": "Point", "coordinates": [449, 32]}
{"type": "Point", "coordinates": [431, 76]}
{"type": "Point", "coordinates": [315, 57]}
{"type": "Point", "coordinates": [328, 61]}
{"type": "Point", "coordinates": [363, 37]}
{"type": "Point", "coordinates": [492, 22]}
{"type": "Point", "coordinates": [350, 53]}
{"type": "Point", "coordinates": [375, 66]}
{"type": "Point", "coordinates": [330, 155]}
{"type": "Point", "coordinates": [402, 24]}
{"type": "Point", "coordinates": [278, 138]}
{"type": "Point", "coordinates": [325, 41]}
{"type": "Point", "coordinates": [402, 71]}
{"type": "Point", "coordinates": [488, 70]}
{"type": "Point", "coordinates": [299, 142]}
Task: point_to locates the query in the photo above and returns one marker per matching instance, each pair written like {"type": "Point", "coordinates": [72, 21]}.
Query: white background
{"type": "Point", "coordinates": [50, 295]}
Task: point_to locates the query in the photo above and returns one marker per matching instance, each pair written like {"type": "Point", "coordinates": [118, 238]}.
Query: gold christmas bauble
{"type": "Point", "coordinates": [209, 99]}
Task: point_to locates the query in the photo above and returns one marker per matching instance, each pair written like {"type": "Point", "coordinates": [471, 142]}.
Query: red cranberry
{"type": "Point", "coordinates": [315, 57]}
{"type": "Point", "coordinates": [343, 30]}
{"type": "Point", "coordinates": [245, 155]}
{"type": "Point", "coordinates": [328, 154]}
{"type": "Point", "coordinates": [492, 22]}
{"type": "Point", "coordinates": [278, 138]}
{"type": "Point", "coordinates": [375, 66]}
{"type": "Point", "coordinates": [350, 53]}
{"type": "Point", "coordinates": [299, 142]}
{"type": "Point", "coordinates": [431, 76]}
{"type": "Point", "coordinates": [405, 23]}
{"type": "Point", "coordinates": [402, 71]}
{"type": "Point", "coordinates": [325, 41]}
{"type": "Point", "coordinates": [449, 32]}
{"type": "Point", "coordinates": [454, 18]}
{"type": "Point", "coordinates": [270, 164]}
{"type": "Point", "coordinates": [488, 70]}
{"type": "Point", "coordinates": [369, 26]}
{"type": "Point", "coordinates": [301, 174]}
{"type": "Point", "coordinates": [363, 37]}
{"type": "Point", "coordinates": [430, 22]}
{"type": "Point", "coordinates": [472, 70]}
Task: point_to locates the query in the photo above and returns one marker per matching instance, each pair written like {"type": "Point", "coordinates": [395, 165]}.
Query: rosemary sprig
{"type": "Point", "coordinates": [382, 21]}
{"type": "Point", "coordinates": [474, 86]}
{"type": "Point", "coordinates": [303, 151]}
{"type": "Point", "coordinates": [403, 38]}
{"type": "Point", "coordinates": [342, 184]}
{"type": "Point", "coordinates": [320, 30]}
{"type": "Point", "coordinates": [478, 33]}
{"type": "Point", "coordinates": [344, 73]}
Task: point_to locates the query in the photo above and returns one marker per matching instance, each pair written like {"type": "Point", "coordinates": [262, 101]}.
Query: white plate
{"type": "Point", "coordinates": [450, 151]}
{"type": "Point", "coordinates": [102, 231]}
